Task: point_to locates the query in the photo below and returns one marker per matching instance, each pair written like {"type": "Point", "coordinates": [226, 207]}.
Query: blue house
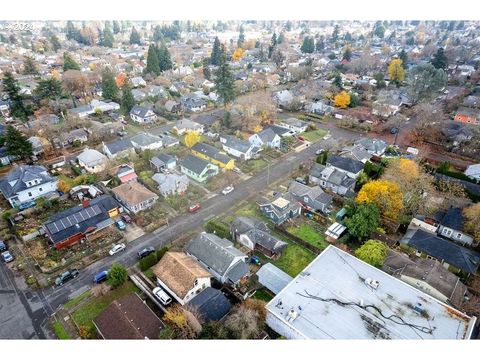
{"type": "Point", "coordinates": [281, 209]}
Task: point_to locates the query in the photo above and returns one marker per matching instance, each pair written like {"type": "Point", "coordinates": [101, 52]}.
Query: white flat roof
{"type": "Point", "coordinates": [332, 300]}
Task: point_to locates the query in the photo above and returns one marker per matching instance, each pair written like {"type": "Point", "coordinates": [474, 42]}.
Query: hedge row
{"type": "Point", "coordinates": [148, 261]}
{"type": "Point", "coordinates": [220, 229]}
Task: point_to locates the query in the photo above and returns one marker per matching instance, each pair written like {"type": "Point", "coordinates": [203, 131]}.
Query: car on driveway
{"type": "Point", "coordinates": [126, 218]}
{"type": "Point", "coordinates": [3, 246]}
{"type": "Point", "coordinates": [194, 208]}
{"type": "Point", "coordinates": [162, 296]}
{"type": "Point", "coordinates": [120, 225]}
{"type": "Point", "coordinates": [7, 256]}
{"type": "Point", "coordinates": [117, 248]}
{"type": "Point", "coordinates": [66, 276]}
{"type": "Point", "coordinates": [228, 190]}
{"type": "Point", "coordinates": [145, 252]}
{"type": "Point", "coordinates": [26, 205]}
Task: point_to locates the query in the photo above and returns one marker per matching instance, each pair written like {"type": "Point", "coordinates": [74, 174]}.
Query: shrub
{"type": "Point", "coordinates": [220, 229]}
{"type": "Point", "coordinates": [117, 275]}
{"type": "Point", "coordinates": [148, 261]}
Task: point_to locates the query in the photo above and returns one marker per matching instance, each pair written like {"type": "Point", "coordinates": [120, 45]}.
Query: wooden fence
{"type": "Point", "coordinates": [298, 241]}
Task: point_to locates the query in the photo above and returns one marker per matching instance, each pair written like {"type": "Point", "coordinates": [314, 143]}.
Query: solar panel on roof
{"type": "Point", "coordinates": [73, 219]}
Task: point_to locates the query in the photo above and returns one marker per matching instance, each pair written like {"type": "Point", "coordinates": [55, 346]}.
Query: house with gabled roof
{"type": "Point", "coordinates": [212, 154]}
{"type": "Point", "coordinates": [282, 208]}
{"type": "Point", "coordinates": [294, 124]}
{"type": "Point", "coordinates": [184, 125]}
{"type": "Point", "coordinates": [92, 160]}
{"type": "Point", "coordinates": [118, 149]}
{"type": "Point", "coordinates": [163, 162]}
{"type": "Point", "coordinates": [239, 148]}
{"type": "Point", "coordinates": [311, 198]}
{"type": "Point", "coordinates": [198, 169]}
{"type": "Point", "coordinates": [265, 138]}
{"type": "Point", "coordinates": [171, 184]}
{"type": "Point", "coordinates": [142, 114]}
{"type": "Point", "coordinates": [181, 276]}
{"type": "Point", "coordinates": [146, 141]}
{"type": "Point", "coordinates": [219, 257]}
{"type": "Point", "coordinates": [350, 167]}
{"type": "Point", "coordinates": [27, 182]}
{"type": "Point", "coordinates": [375, 147]}
{"type": "Point", "coordinates": [134, 196]}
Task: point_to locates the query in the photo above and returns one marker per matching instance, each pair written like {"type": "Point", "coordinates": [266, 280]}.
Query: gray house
{"type": "Point", "coordinates": [219, 257]}
{"type": "Point", "coordinates": [312, 198]}
{"type": "Point", "coordinates": [118, 148]}
{"type": "Point", "coordinates": [330, 178]}
{"type": "Point", "coordinates": [281, 208]}
{"type": "Point", "coordinates": [265, 138]}
{"type": "Point", "coordinates": [350, 167]}
{"type": "Point", "coordinates": [451, 225]}
{"type": "Point", "coordinates": [163, 162]}
{"type": "Point", "coordinates": [171, 184]}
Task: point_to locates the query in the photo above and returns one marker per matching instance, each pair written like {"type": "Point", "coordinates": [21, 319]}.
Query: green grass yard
{"type": "Point", "coordinates": [76, 300]}
{"type": "Point", "coordinates": [262, 294]}
{"type": "Point", "coordinates": [310, 234]}
{"type": "Point", "coordinates": [253, 166]}
{"type": "Point", "coordinates": [60, 331]}
{"type": "Point", "coordinates": [314, 135]}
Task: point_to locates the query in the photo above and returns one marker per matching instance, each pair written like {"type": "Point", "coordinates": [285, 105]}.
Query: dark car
{"type": "Point", "coordinates": [100, 277]}
{"type": "Point", "coordinates": [3, 246]}
{"type": "Point", "coordinates": [66, 276]}
{"type": "Point", "coordinates": [145, 252]}
{"type": "Point", "coordinates": [126, 218]}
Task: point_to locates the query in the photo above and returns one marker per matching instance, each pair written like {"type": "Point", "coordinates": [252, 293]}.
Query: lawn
{"type": "Point", "coordinates": [294, 259]}
{"type": "Point", "coordinates": [314, 135]}
{"type": "Point", "coordinates": [309, 234]}
{"type": "Point", "coordinates": [253, 165]}
{"type": "Point", "coordinates": [262, 294]}
{"type": "Point", "coordinates": [71, 303]}
{"type": "Point", "coordinates": [60, 331]}
{"type": "Point", "coordinates": [89, 311]}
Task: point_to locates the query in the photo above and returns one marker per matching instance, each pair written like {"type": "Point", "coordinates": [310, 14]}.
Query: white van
{"type": "Point", "coordinates": [162, 296]}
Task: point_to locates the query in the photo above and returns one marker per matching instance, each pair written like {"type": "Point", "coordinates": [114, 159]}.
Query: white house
{"type": "Point", "coordinates": [294, 124]}
{"type": "Point", "coordinates": [92, 160]}
{"type": "Point", "coordinates": [265, 138]}
{"type": "Point", "coordinates": [239, 148]}
{"type": "Point", "coordinates": [181, 276]}
{"type": "Point", "coordinates": [473, 172]}
{"type": "Point", "coordinates": [142, 115]}
{"type": "Point", "coordinates": [26, 182]}
{"type": "Point", "coordinates": [147, 141]}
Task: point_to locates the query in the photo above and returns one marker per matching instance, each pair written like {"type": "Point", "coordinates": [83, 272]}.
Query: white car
{"type": "Point", "coordinates": [116, 249]}
{"type": "Point", "coordinates": [162, 296]}
{"type": "Point", "coordinates": [227, 190]}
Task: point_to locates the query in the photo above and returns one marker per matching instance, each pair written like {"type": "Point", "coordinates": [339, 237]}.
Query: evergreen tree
{"type": "Point", "coordinates": [320, 44]}
{"type": "Point", "coordinates": [439, 59]}
{"type": "Point", "coordinates": [116, 27]}
{"type": "Point", "coordinates": [403, 56]}
{"type": "Point", "coordinates": [69, 63]}
{"type": "Point", "coordinates": [224, 82]}
{"type": "Point", "coordinates": [335, 34]}
{"type": "Point", "coordinates": [17, 144]}
{"type": "Point", "coordinates": [308, 45]}
{"type": "Point", "coordinates": [153, 63]}
{"type": "Point", "coordinates": [216, 52]}
{"type": "Point", "coordinates": [55, 43]}
{"type": "Point", "coordinates": [164, 58]}
{"type": "Point", "coordinates": [135, 37]}
{"type": "Point", "coordinates": [206, 68]}
{"type": "Point", "coordinates": [281, 38]}
{"type": "Point", "coordinates": [107, 36]}
{"type": "Point", "coordinates": [49, 89]}
{"type": "Point", "coordinates": [379, 31]}
{"type": "Point", "coordinates": [273, 45]}
{"type": "Point", "coordinates": [10, 86]}
{"type": "Point", "coordinates": [347, 54]}
{"type": "Point", "coordinates": [127, 97]}
{"type": "Point", "coordinates": [109, 85]}
{"type": "Point", "coordinates": [241, 37]}
{"type": "Point", "coordinates": [29, 66]}
{"type": "Point", "coordinates": [337, 81]}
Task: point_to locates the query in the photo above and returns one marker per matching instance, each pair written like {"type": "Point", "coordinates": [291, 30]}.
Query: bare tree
{"type": "Point", "coordinates": [243, 323]}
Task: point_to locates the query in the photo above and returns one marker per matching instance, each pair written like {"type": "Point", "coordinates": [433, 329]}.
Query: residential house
{"type": "Point", "coordinates": [181, 276]}
{"type": "Point", "coordinates": [126, 173]}
{"type": "Point", "coordinates": [193, 103]}
{"type": "Point", "coordinates": [173, 107]}
{"type": "Point", "coordinates": [265, 138]}
{"type": "Point", "coordinates": [88, 220]}
{"type": "Point", "coordinates": [330, 178]}
{"type": "Point", "coordinates": [135, 197]}
{"type": "Point", "coordinates": [138, 82]}
{"type": "Point", "coordinates": [426, 275]}
{"type": "Point", "coordinates": [92, 160]}
{"type": "Point", "coordinates": [5, 158]}
{"type": "Point", "coordinates": [453, 257]}
{"type": "Point", "coordinates": [138, 95]}
{"type": "Point", "coordinates": [283, 98]}
{"type": "Point", "coordinates": [26, 182]}
{"type": "Point", "coordinates": [296, 125]}
{"type": "Point", "coordinates": [356, 152]}
{"type": "Point", "coordinates": [142, 114]}
{"type": "Point", "coordinates": [104, 106]}
{"type": "Point", "coordinates": [473, 172]}
{"type": "Point", "coordinates": [128, 318]}
{"type": "Point", "coordinates": [38, 144]}
{"type": "Point", "coordinates": [81, 111]}
{"type": "Point", "coordinates": [43, 120]}
{"type": "Point", "coordinates": [163, 162]}
{"type": "Point", "coordinates": [75, 136]}
{"type": "Point", "coordinates": [281, 209]}
{"type": "Point", "coordinates": [169, 141]}
{"type": "Point", "coordinates": [214, 155]}
{"type": "Point", "coordinates": [373, 146]}
{"type": "Point", "coordinates": [239, 148]}
{"type": "Point", "coordinates": [311, 198]}
{"type": "Point", "coordinates": [198, 169]}
{"type": "Point", "coordinates": [171, 184]}
{"type": "Point", "coordinates": [334, 297]}
{"type": "Point", "coordinates": [272, 278]}
{"type": "Point", "coordinates": [146, 141]}
{"type": "Point", "coordinates": [118, 149]}
{"type": "Point", "coordinates": [280, 131]}
{"type": "Point", "coordinates": [386, 107]}
{"type": "Point", "coordinates": [320, 108]}
{"type": "Point", "coordinates": [219, 257]}
{"type": "Point", "coordinates": [4, 107]}
{"type": "Point", "coordinates": [350, 167]}
{"type": "Point", "coordinates": [210, 305]}
{"type": "Point", "coordinates": [467, 116]}
{"type": "Point", "coordinates": [184, 125]}
{"type": "Point", "coordinates": [255, 235]}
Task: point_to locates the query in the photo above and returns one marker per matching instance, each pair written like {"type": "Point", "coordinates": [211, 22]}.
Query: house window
{"type": "Point", "coordinates": [447, 232]}
{"type": "Point", "coordinates": [30, 194]}
{"type": "Point", "coordinates": [40, 189]}
{"type": "Point", "coordinates": [458, 236]}
{"type": "Point", "coordinates": [418, 253]}
{"type": "Point", "coordinates": [196, 282]}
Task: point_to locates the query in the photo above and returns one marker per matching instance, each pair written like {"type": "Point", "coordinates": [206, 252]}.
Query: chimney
{"type": "Point", "coordinates": [85, 202]}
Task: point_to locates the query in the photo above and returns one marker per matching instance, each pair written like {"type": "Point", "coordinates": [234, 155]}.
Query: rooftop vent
{"type": "Point", "coordinates": [292, 315]}
{"type": "Point", "coordinates": [372, 283]}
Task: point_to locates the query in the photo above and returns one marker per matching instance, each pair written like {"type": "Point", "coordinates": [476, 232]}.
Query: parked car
{"type": "Point", "coordinates": [26, 205]}
{"type": "Point", "coordinates": [301, 138]}
{"type": "Point", "coordinates": [66, 276]}
{"type": "Point", "coordinates": [301, 180]}
{"type": "Point", "coordinates": [194, 208]}
{"type": "Point", "coordinates": [228, 190]}
{"type": "Point", "coordinates": [319, 151]}
{"type": "Point", "coordinates": [7, 257]}
{"type": "Point", "coordinates": [393, 130]}
{"type": "Point", "coordinates": [100, 277]}
{"type": "Point", "coordinates": [162, 296]}
{"type": "Point", "coordinates": [145, 252]}
{"type": "Point", "coordinates": [327, 136]}
{"type": "Point", "coordinates": [117, 248]}
{"type": "Point", "coordinates": [126, 218]}
{"type": "Point", "coordinates": [3, 246]}
{"type": "Point", "coordinates": [255, 260]}
{"type": "Point", "coordinates": [120, 225]}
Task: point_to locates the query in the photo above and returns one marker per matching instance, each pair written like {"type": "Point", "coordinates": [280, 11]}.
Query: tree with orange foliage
{"type": "Point", "coordinates": [342, 100]}
{"type": "Point", "coordinates": [120, 79]}
{"type": "Point", "coordinates": [238, 54]}
{"type": "Point", "coordinates": [386, 195]}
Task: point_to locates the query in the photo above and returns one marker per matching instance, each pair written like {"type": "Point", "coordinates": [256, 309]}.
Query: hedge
{"type": "Point", "coordinates": [220, 229]}
{"type": "Point", "coordinates": [148, 261]}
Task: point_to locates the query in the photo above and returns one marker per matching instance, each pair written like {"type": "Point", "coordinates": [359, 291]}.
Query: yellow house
{"type": "Point", "coordinates": [214, 155]}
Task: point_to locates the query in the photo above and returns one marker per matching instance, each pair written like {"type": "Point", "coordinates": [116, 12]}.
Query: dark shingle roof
{"type": "Point", "coordinates": [194, 164]}
{"type": "Point", "coordinates": [22, 174]}
{"type": "Point", "coordinates": [453, 219]}
{"type": "Point", "coordinates": [346, 164]}
{"type": "Point", "coordinates": [211, 151]}
{"type": "Point", "coordinates": [258, 232]}
{"type": "Point", "coordinates": [211, 304]}
{"type": "Point", "coordinates": [119, 145]}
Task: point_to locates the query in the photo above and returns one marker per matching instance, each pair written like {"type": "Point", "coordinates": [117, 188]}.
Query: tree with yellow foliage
{"type": "Point", "coordinates": [342, 99]}
{"type": "Point", "coordinates": [386, 196]}
{"type": "Point", "coordinates": [238, 54]}
{"type": "Point", "coordinates": [472, 221]}
{"type": "Point", "coordinates": [396, 72]}
{"type": "Point", "coordinates": [191, 138]}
